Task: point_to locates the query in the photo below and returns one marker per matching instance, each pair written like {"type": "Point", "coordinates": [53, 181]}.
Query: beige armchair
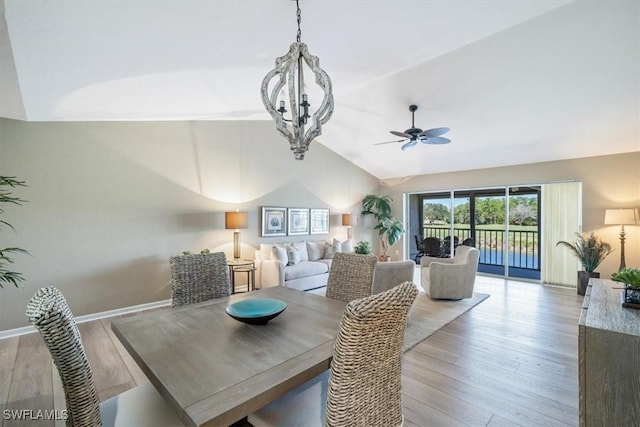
{"type": "Point", "coordinates": [390, 274]}
{"type": "Point", "coordinates": [450, 278]}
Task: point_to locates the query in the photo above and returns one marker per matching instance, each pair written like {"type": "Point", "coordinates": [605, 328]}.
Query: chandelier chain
{"type": "Point", "coordinates": [299, 17]}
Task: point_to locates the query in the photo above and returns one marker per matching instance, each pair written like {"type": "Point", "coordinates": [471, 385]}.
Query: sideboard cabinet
{"type": "Point", "coordinates": [608, 358]}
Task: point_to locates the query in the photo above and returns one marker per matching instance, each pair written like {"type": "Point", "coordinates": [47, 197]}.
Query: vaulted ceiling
{"type": "Point", "coordinates": [517, 81]}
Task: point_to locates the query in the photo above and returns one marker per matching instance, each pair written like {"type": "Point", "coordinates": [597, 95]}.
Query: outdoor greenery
{"type": "Point", "coordinates": [7, 184]}
{"type": "Point", "coordinates": [523, 210]}
{"type": "Point", "coordinates": [389, 228]}
{"type": "Point", "coordinates": [589, 250]}
{"type": "Point", "coordinates": [489, 221]}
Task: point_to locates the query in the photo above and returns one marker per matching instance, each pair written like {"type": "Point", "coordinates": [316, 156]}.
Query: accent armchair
{"type": "Point", "coordinates": [450, 278]}
{"type": "Point", "coordinates": [387, 275]}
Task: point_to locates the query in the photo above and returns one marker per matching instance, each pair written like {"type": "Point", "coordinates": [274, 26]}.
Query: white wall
{"type": "Point", "coordinates": [109, 203]}
{"type": "Point", "coordinates": [607, 182]}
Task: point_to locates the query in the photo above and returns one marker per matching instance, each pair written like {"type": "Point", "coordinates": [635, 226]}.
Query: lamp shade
{"type": "Point", "coordinates": [346, 219]}
{"type": "Point", "coordinates": [235, 220]}
{"type": "Point", "coordinates": [621, 216]}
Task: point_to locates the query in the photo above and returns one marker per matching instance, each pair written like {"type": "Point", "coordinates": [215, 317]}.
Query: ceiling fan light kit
{"type": "Point", "coordinates": [289, 72]}
{"type": "Point", "coordinates": [414, 134]}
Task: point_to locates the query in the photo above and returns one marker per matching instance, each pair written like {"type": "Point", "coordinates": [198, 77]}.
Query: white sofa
{"type": "Point", "coordinates": [277, 264]}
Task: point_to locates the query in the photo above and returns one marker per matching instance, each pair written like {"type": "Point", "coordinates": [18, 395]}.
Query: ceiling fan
{"type": "Point", "coordinates": [411, 136]}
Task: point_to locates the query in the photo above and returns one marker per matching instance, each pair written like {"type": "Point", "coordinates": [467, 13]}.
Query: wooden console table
{"type": "Point", "coordinates": [608, 358]}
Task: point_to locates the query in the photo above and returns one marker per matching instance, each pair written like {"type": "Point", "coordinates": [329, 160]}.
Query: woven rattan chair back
{"type": "Point", "coordinates": [351, 276]}
{"type": "Point", "coordinates": [364, 386]}
{"type": "Point", "coordinates": [199, 277]}
{"type": "Point", "coordinates": [49, 312]}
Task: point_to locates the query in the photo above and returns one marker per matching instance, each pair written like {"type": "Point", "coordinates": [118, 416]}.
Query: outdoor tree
{"type": "Point", "coordinates": [436, 212]}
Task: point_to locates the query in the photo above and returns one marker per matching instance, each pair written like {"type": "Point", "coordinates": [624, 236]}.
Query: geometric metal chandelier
{"type": "Point", "coordinates": [289, 73]}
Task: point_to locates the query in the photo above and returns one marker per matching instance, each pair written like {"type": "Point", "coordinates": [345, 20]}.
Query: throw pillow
{"type": "Point", "coordinates": [302, 249]}
{"type": "Point", "coordinates": [279, 254]}
{"type": "Point", "coordinates": [347, 246]}
{"type": "Point", "coordinates": [315, 250]}
{"type": "Point", "coordinates": [293, 254]}
{"type": "Point", "coordinates": [329, 252]}
{"type": "Point", "coordinates": [332, 248]}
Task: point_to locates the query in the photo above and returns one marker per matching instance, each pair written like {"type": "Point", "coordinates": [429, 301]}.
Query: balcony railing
{"type": "Point", "coordinates": [522, 245]}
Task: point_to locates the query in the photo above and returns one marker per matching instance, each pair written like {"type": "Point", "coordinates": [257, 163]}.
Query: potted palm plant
{"type": "Point", "coordinates": [389, 228]}
{"type": "Point", "coordinates": [7, 183]}
{"type": "Point", "coordinates": [590, 251]}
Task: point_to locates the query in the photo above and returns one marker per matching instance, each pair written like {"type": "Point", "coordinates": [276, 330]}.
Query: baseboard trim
{"type": "Point", "coordinates": [89, 317]}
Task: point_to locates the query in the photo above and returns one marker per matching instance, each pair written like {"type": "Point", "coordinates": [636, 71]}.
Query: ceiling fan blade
{"type": "Point", "coordinates": [436, 140]}
{"type": "Point", "coordinates": [388, 142]}
{"type": "Point", "coordinates": [409, 144]}
{"type": "Point", "coordinates": [430, 133]}
{"type": "Point", "coordinates": [401, 134]}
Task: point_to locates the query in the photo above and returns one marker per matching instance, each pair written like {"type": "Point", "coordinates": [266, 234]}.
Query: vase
{"type": "Point", "coordinates": [583, 280]}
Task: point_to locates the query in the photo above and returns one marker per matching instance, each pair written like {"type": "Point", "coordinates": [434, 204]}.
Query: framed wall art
{"type": "Point", "coordinates": [298, 221]}
{"type": "Point", "coordinates": [319, 221]}
{"type": "Point", "coordinates": [274, 221]}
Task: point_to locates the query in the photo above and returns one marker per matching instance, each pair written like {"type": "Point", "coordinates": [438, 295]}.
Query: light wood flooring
{"type": "Point", "coordinates": [511, 360]}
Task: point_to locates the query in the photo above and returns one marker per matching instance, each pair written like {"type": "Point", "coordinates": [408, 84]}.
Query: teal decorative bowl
{"type": "Point", "coordinates": [256, 311]}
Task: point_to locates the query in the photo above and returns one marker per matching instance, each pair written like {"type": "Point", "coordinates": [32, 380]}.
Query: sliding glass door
{"type": "Point", "coordinates": [503, 223]}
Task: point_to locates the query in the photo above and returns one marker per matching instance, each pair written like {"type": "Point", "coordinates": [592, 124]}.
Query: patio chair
{"type": "Point", "coordinates": [469, 241]}
{"type": "Point", "coordinates": [363, 386]}
{"type": "Point", "coordinates": [447, 242]}
{"type": "Point", "coordinates": [431, 246]}
{"type": "Point", "coordinates": [49, 312]}
{"type": "Point", "coordinates": [351, 276]}
{"type": "Point", "coordinates": [199, 277]}
{"type": "Point", "coordinates": [390, 274]}
{"type": "Point", "coordinates": [450, 278]}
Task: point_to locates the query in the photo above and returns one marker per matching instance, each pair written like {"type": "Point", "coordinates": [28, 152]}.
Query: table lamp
{"type": "Point", "coordinates": [621, 217]}
{"type": "Point", "coordinates": [235, 221]}
{"type": "Point", "coordinates": [347, 221]}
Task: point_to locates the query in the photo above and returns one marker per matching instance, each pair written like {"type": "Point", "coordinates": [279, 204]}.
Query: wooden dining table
{"type": "Point", "coordinates": [215, 370]}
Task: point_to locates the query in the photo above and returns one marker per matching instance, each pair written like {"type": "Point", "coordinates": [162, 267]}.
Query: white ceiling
{"type": "Point", "coordinates": [517, 81]}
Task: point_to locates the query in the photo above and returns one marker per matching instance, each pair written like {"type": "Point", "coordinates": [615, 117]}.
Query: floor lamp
{"type": "Point", "coordinates": [235, 221]}
{"type": "Point", "coordinates": [347, 221]}
{"type": "Point", "coordinates": [621, 217]}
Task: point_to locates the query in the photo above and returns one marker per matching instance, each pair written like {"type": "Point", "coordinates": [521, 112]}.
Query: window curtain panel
{"type": "Point", "coordinates": [561, 219]}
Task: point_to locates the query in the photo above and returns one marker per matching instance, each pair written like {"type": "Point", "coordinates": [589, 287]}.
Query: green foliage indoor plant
{"type": "Point", "coordinates": [628, 276]}
{"type": "Point", "coordinates": [590, 251]}
{"type": "Point", "coordinates": [7, 184]}
{"type": "Point", "coordinates": [631, 279]}
{"type": "Point", "coordinates": [389, 228]}
{"type": "Point", "coordinates": [362, 247]}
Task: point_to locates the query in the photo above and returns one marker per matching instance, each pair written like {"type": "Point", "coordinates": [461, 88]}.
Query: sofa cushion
{"type": "Point", "coordinates": [315, 250]}
{"type": "Point", "coordinates": [304, 269]}
{"type": "Point", "coordinates": [279, 254]}
{"type": "Point", "coordinates": [332, 248]}
{"type": "Point", "coordinates": [301, 247]}
{"type": "Point", "coordinates": [327, 262]}
{"type": "Point", "coordinates": [293, 254]}
{"type": "Point", "coordinates": [347, 246]}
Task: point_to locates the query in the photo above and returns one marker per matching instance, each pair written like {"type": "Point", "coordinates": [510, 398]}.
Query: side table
{"type": "Point", "coordinates": [242, 266]}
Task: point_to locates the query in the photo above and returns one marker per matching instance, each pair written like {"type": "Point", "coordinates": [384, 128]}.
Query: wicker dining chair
{"type": "Point", "coordinates": [199, 277]}
{"type": "Point", "coordinates": [363, 386]}
{"type": "Point", "coordinates": [141, 406]}
{"type": "Point", "coordinates": [351, 276]}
